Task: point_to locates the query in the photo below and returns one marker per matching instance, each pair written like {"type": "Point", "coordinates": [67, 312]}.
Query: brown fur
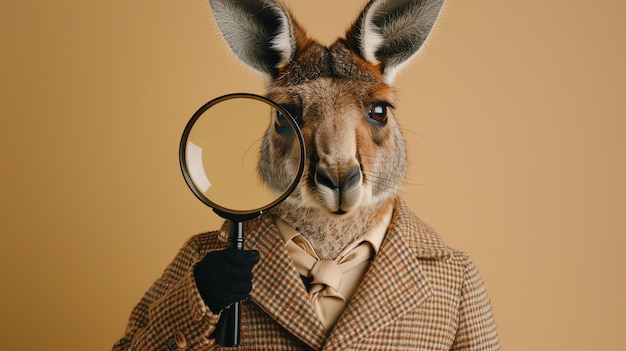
{"type": "Point", "coordinates": [334, 89]}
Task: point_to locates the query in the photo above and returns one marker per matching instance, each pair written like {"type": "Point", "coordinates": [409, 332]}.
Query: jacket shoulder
{"type": "Point", "coordinates": [203, 243]}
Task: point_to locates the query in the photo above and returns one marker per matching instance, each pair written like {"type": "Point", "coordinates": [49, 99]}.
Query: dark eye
{"type": "Point", "coordinates": [281, 123]}
{"type": "Point", "coordinates": [378, 113]}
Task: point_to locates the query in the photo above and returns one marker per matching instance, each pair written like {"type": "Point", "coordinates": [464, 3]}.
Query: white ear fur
{"type": "Point", "coordinates": [284, 42]}
{"type": "Point", "coordinates": [391, 32]}
{"type": "Point", "coordinates": [260, 33]}
{"type": "Point", "coordinates": [371, 39]}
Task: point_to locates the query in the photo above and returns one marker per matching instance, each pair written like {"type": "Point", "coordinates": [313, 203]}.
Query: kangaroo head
{"type": "Point", "coordinates": [341, 97]}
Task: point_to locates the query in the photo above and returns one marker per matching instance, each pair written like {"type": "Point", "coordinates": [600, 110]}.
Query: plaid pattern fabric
{"type": "Point", "coordinates": [417, 295]}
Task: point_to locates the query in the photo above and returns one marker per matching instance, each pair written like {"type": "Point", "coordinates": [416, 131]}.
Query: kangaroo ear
{"type": "Point", "coordinates": [259, 32]}
{"type": "Point", "coordinates": [389, 32]}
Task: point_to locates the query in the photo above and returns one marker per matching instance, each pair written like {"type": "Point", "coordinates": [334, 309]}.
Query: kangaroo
{"type": "Point", "coordinates": [382, 278]}
{"type": "Point", "coordinates": [342, 98]}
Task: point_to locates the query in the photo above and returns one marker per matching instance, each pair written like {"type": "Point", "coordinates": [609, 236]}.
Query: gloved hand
{"type": "Point", "coordinates": [225, 277]}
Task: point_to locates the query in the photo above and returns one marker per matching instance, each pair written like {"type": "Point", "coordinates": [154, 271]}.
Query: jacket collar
{"type": "Point", "coordinates": [277, 287]}
{"type": "Point", "coordinates": [393, 285]}
{"type": "Point", "coordinates": [420, 237]}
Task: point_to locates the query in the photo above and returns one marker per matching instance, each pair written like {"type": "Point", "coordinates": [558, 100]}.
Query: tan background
{"type": "Point", "coordinates": [514, 115]}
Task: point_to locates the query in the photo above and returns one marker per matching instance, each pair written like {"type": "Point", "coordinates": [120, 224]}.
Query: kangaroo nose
{"type": "Point", "coordinates": [339, 181]}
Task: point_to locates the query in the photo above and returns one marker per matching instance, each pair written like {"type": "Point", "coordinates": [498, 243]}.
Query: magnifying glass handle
{"type": "Point", "coordinates": [228, 335]}
{"type": "Point", "coordinates": [235, 237]}
{"type": "Point", "coordinates": [230, 320]}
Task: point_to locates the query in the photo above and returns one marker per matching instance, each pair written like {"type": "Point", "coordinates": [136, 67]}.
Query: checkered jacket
{"type": "Point", "coordinates": [417, 295]}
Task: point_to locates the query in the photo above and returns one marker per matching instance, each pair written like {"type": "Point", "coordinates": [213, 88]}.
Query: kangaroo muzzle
{"type": "Point", "coordinates": [338, 187]}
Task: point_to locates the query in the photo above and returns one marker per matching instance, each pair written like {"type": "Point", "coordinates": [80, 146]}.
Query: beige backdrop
{"type": "Point", "coordinates": [514, 115]}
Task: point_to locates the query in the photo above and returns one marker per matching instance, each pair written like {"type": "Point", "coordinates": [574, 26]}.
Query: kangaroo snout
{"type": "Point", "coordinates": [338, 187]}
{"type": "Point", "coordinates": [338, 181]}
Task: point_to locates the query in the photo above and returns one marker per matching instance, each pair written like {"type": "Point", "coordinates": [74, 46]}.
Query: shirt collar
{"type": "Point", "coordinates": [374, 235]}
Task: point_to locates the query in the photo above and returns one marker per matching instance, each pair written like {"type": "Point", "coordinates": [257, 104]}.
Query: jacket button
{"type": "Point", "coordinates": [180, 339]}
{"type": "Point", "coordinates": [171, 344]}
{"type": "Point", "coordinates": [164, 348]}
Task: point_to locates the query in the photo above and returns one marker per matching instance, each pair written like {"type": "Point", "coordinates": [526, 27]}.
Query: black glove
{"type": "Point", "coordinates": [225, 277]}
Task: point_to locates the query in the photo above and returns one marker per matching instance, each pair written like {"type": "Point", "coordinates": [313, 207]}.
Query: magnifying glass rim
{"type": "Point", "coordinates": [182, 154]}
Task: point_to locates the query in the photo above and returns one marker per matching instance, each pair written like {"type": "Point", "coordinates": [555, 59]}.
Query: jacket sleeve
{"type": "Point", "coordinates": [171, 315]}
{"type": "Point", "coordinates": [477, 328]}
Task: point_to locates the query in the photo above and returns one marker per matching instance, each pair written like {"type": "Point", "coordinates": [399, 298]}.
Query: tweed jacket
{"type": "Point", "coordinates": [418, 294]}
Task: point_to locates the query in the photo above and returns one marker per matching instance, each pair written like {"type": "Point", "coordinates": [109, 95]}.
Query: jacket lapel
{"type": "Point", "coordinates": [277, 286]}
{"type": "Point", "coordinates": [394, 284]}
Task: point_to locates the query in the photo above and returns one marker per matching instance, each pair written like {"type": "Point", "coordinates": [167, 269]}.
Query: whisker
{"type": "Point", "coordinates": [243, 157]}
{"type": "Point", "coordinates": [407, 194]}
{"type": "Point", "coordinates": [412, 184]}
{"type": "Point", "coordinates": [409, 131]}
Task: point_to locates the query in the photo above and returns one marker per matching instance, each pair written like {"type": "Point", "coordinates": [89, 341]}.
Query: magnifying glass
{"type": "Point", "coordinates": [220, 154]}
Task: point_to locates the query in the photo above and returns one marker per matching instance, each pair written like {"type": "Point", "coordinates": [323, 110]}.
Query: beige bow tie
{"type": "Point", "coordinates": [333, 282]}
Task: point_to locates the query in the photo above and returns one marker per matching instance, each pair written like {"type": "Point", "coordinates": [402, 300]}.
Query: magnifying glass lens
{"type": "Point", "coordinates": [221, 153]}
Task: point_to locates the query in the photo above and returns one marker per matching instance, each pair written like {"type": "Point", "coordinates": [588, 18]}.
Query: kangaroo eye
{"type": "Point", "coordinates": [281, 121]}
{"type": "Point", "coordinates": [281, 124]}
{"type": "Point", "coordinates": [378, 113]}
